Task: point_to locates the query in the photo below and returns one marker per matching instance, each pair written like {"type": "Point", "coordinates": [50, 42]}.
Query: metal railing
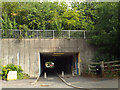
{"type": "Point", "coordinates": [47, 33]}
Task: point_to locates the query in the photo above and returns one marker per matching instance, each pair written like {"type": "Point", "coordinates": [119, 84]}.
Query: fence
{"type": "Point", "coordinates": [47, 33]}
{"type": "Point", "coordinates": [106, 66]}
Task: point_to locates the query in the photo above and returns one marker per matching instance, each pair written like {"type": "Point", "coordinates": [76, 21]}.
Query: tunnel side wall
{"type": "Point", "coordinates": [25, 52]}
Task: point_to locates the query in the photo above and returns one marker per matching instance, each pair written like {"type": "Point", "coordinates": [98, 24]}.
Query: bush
{"type": "Point", "coordinates": [12, 67]}
{"type": "Point", "coordinates": [22, 76]}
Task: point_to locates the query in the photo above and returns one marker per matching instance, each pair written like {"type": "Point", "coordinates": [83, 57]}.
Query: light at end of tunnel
{"type": "Point", "coordinates": [58, 53]}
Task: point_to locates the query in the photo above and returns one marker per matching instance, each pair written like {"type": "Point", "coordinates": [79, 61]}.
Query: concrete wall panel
{"type": "Point", "coordinates": [37, 43]}
{"type": "Point", "coordinates": [22, 54]}
{"type": "Point", "coordinates": [29, 49]}
{"type": "Point", "coordinates": [5, 47]}
{"type": "Point", "coordinates": [36, 65]}
{"type": "Point", "coordinates": [32, 58]}
{"type": "Point", "coordinates": [2, 52]}
{"type": "Point", "coordinates": [12, 51]}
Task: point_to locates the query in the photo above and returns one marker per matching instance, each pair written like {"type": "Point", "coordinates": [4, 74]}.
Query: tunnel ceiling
{"type": "Point", "coordinates": [58, 54]}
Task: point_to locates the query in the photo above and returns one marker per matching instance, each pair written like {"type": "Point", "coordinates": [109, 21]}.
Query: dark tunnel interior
{"type": "Point", "coordinates": [62, 62]}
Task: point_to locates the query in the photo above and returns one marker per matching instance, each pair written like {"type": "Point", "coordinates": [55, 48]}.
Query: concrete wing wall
{"type": "Point", "coordinates": [25, 52]}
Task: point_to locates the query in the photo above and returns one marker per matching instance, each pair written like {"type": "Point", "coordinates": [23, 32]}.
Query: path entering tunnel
{"type": "Point", "coordinates": [61, 62]}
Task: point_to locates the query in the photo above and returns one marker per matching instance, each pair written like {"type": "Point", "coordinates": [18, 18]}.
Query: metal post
{"type": "Point", "coordinates": [73, 73]}
{"type": "Point", "coordinates": [84, 34]}
{"type": "Point", "coordinates": [62, 73]}
{"type": "Point", "coordinates": [69, 33]}
{"type": "Point", "coordinates": [53, 34]}
{"type": "Point", "coordinates": [45, 75]}
{"type": "Point", "coordinates": [37, 34]}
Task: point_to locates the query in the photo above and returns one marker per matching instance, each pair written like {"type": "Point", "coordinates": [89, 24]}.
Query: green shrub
{"type": "Point", "coordinates": [22, 76]}
{"type": "Point", "coordinates": [12, 67]}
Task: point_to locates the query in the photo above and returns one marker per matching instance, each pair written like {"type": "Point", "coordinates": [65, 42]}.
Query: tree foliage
{"type": "Point", "coordinates": [107, 25]}
{"type": "Point", "coordinates": [46, 15]}
{"type": "Point", "coordinates": [101, 17]}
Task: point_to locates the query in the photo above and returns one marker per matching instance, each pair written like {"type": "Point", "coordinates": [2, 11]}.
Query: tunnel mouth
{"type": "Point", "coordinates": [62, 62]}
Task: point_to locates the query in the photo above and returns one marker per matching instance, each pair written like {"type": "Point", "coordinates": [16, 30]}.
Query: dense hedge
{"type": "Point", "coordinates": [12, 67]}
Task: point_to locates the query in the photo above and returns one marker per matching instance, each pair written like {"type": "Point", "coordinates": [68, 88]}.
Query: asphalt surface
{"type": "Point", "coordinates": [49, 82]}
{"type": "Point", "coordinates": [85, 82]}
{"type": "Point", "coordinates": [56, 82]}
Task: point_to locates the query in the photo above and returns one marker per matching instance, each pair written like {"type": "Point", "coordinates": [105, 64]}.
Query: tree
{"type": "Point", "coordinates": [86, 11]}
{"type": "Point", "coordinates": [107, 26]}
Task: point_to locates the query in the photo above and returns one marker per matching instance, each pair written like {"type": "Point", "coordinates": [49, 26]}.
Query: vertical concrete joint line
{"type": "Point", "coordinates": [36, 62]}
{"type": "Point", "coordinates": [8, 52]}
{"type": "Point", "coordinates": [0, 42]}
{"type": "Point", "coordinates": [78, 45]}
{"type": "Point", "coordinates": [3, 56]}
{"type": "Point", "coordinates": [18, 58]}
{"type": "Point", "coordinates": [29, 56]}
{"type": "Point", "coordinates": [24, 54]}
{"type": "Point", "coordinates": [35, 56]}
{"type": "Point", "coordinates": [39, 63]}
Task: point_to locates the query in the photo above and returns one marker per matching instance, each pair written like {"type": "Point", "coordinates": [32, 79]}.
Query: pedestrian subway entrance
{"type": "Point", "coordinates": [55, 62]}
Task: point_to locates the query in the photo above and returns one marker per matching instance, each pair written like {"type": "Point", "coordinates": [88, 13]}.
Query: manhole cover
{"type": "Point", "coordinates": [44, 85]}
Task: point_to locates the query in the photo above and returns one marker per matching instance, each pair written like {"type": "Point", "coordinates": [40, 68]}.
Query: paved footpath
{"type": "Point", "coordinates": [49, 82]}
{"type": "Point", "coordinates": [85, 82]}
{"type": "Point", "coordinates": [55, 82]}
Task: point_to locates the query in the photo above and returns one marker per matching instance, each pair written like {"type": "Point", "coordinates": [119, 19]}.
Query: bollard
{"type": "Point", "coordinates": [62, 73]}
{"type": "Point", "coordinates": [72, 73]}
{"type": "Point", "coordinates": [45, 75]}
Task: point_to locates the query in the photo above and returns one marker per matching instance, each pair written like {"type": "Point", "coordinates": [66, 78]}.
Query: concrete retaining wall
{"type": "Point", "coordinates": [25, 52]}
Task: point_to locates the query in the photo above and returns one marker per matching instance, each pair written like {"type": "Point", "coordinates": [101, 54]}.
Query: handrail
{"type": "Point", "coordinates": [15, 33]}
{"type": "Point", "coordinates": [48, 30]}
